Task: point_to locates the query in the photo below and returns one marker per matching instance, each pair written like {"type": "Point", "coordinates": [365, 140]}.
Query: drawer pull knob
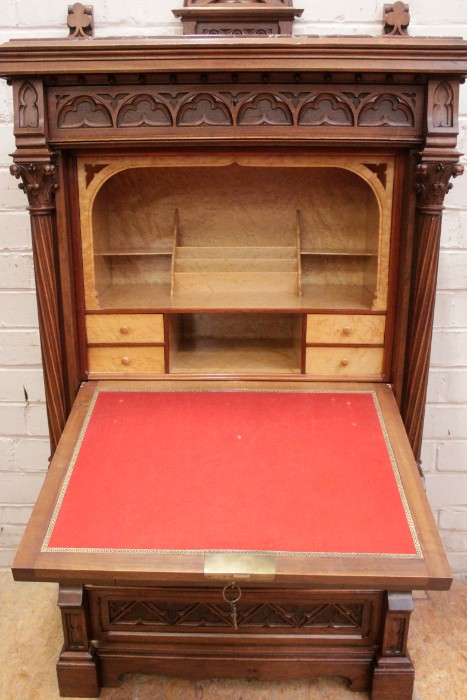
{"type": "Point", "coordinates": [344, 362]}
{"type": "Point", "coordinates": [347, 330]}
{"type": "Point", "coordinates": [125, 360]}
{"type": "Point", "coordinates": [124, 330]}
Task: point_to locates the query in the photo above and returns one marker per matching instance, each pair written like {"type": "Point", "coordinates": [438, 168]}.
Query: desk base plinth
{"type": "Point", "coordinates": [283, 634]}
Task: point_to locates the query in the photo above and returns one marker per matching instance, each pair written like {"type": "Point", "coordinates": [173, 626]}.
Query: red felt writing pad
{"type": "Point", "coordinates": [283, 472]}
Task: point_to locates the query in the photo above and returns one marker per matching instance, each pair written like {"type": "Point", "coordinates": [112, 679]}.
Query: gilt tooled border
{"type": "Point", "coordinates": [94, 550]}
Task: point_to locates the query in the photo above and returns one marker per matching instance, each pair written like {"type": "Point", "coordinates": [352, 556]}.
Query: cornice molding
{"type": "Point", "coordinates": [340, 54]}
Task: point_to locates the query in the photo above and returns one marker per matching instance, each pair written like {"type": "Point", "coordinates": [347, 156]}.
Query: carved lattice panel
{"type": "Point", "coordinates": [195, 610]}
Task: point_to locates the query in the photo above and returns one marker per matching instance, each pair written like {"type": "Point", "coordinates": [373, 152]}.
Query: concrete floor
{"type": "Point", "coordinates": [31, 639]}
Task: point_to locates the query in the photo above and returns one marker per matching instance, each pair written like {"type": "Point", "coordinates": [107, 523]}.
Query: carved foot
{"type": "Point", "coordinates": [393, 679]}
{"type": "Point", "coordinates": [77, 675]}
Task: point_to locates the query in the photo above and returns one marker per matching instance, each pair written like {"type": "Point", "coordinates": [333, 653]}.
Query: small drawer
{"type": "Point", "coordinates": [344, 362]}
{"type": "Point", "coordinates": [126, 359]}
{"type": "Point", "coordinates": [125, 328]}
{"type": "Point", "coordinates": [351, 329]}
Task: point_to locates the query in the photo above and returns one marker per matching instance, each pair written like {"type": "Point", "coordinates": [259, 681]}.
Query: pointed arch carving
{"type": "Point", "coordinates": [443, 105]}
{"type": "Point", "coordinates": [386, 110]}
{"type": "Point", "coordinates": [144, 110]}
{"type": "Point", "coordinates": [265, 109]}
{"type": "Point", "coordinates": [28, 108]}
{"type": "Point", "coordinates": [84, 111]}
{"type": "Point", "coordinates": [204, 110]}
{"type": "Point", "coordinates": [326, 110]}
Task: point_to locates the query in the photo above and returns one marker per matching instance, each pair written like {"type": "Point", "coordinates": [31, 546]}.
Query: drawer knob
{"type": "Point", "coordinates": [347, 330]}
{"type": "Point", "coordinates": [125, 360]}
{"type": "Point", "coordinates": [124, 330]}
{"type": "Point", "coordinates": [344, 362]}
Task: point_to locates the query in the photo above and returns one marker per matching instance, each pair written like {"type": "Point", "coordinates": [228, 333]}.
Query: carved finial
{"type": "Point", "coordinates": [80, 20]}
{"type": "Point", "coordinates": [396, 19]}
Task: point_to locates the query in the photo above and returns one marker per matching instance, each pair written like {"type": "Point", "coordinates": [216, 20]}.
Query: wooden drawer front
{"type": "Point", "coordinates": [351, 329]}
{"type": "Point", "coordinates": [344, 362]}
{"type": "Point", "coordinates": [126, 359]}
{"type": "Point", "coordinates": [125, 328]}
{"type": "Point", "coordinates": [334, 615]}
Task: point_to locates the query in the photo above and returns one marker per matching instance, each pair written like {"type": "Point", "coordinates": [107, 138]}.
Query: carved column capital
{"type": "Point", "coordinates": [432, 183]}
{"type": "Point", "coordinates": [39, 182]}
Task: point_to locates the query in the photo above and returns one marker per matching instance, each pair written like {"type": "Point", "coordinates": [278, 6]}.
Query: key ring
{"type": "Point", "coordinates": [233, 588]}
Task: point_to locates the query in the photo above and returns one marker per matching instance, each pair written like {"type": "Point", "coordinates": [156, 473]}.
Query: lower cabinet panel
{"type": "Point", "coordinates": [329, 617]}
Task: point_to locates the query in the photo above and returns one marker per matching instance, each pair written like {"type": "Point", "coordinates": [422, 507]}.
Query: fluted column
{"type": "Point", "coordinates": [39, 183]}
{"type": "Point", "coordinates": [432, 184]}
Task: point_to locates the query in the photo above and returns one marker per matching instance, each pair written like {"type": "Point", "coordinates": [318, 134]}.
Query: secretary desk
{"type": "Point", "coordinates": [235, 236]}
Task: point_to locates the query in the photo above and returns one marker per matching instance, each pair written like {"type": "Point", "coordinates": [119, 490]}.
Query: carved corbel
{"type": "Point", "coordinates": [39, 182]}
{"type": "Point", "coordinates": [442, 124]}
{"type": "Point", "coordinates": [31, 128]}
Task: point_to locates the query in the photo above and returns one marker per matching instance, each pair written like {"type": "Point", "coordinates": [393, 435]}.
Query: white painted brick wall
{"type": "Point", "coordinates": [23, 428]}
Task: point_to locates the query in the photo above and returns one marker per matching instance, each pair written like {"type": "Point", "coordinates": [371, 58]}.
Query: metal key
{"type": "Point", "coordinates": [233, 615]}
{"type": "Point", "coordinates": [232, 594]}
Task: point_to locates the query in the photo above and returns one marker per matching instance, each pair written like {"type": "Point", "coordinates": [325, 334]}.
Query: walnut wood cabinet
{"type": "Point", "coordinates": [236, 211]}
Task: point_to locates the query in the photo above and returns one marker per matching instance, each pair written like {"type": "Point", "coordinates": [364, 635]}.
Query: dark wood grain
{"type": "Point", "coordinates": [77, 671]}
{"type": "Point", "coordinates": [39, 182]}
{"type": "Point", "coordinates": [394, 96]}
{"type": "Point", "coordinates": [433, 182]}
